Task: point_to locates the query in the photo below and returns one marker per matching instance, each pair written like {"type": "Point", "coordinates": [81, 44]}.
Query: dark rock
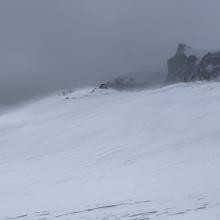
{"type": "Point", "coordinates": [190, 65]}
{"type": "Point", "coordinates": [135, 80]}
{"type": "Point", "coordinates": [103, 86]}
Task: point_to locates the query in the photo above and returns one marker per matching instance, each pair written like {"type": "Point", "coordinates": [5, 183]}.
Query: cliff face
{"type": "Point", "coordinates": [189, 64]}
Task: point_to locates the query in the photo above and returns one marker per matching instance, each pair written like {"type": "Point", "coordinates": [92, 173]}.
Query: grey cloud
{"type": "Point", "coordinates": [47, 45]}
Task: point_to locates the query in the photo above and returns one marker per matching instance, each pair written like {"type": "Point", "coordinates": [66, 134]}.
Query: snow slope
{"type": "Point", "coordinates": [151, 154]}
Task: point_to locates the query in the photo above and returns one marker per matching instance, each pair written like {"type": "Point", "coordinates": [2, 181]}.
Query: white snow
{"type": "Point", "coordinates": [80, 93]}
{"type": "Point", "coordinates": [152, 154]}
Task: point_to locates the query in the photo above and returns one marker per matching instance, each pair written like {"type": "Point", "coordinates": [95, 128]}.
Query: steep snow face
{"type": "Point", "coordinates": [151, 154]}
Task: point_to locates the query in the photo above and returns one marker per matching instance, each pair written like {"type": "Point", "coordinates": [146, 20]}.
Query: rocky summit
{"type": "Point", "coordinates": [190, 64]}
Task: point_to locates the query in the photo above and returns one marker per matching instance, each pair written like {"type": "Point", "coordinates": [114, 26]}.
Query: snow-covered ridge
{"type": "Point", "coordinates": [151, 154]}
{"type": "Point", "coordinates": [84, 92]}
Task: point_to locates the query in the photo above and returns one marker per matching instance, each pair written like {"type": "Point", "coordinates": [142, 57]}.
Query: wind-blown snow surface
{"type": "Point", "coordinates": [118, 155]}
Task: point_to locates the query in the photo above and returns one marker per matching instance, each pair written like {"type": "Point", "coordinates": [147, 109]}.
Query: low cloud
{"type": "Point", "coordinates": [47, 45]}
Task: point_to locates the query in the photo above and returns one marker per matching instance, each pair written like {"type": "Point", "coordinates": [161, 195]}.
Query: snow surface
{"type": "Point", "coordinates": [152, 154]}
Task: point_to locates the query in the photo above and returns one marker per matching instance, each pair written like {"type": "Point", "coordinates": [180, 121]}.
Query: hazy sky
{"type": "Point", "coordinates": [50, 44]}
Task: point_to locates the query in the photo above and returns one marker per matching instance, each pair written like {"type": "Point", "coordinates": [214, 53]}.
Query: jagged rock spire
{"type": "Point", "coordinates": [189, 64]}
{"type": "Point", "coordinates": [182, 48]}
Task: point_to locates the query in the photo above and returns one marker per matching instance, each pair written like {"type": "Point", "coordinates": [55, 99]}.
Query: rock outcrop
{"type": "Point", "coordinates": [189, 64]}
{"type": "Point", "coordinates": [135, 80]}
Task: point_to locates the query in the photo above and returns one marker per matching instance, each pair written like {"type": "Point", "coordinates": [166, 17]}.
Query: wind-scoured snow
{"type": "Point", "coordinates": [152, 154]}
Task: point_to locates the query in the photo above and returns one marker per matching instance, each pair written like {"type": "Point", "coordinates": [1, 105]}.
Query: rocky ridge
{"type": "Point", "coordinates": [189, 64]}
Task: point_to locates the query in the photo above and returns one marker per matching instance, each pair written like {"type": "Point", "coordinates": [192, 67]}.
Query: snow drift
{"type": "Point", "coordinates": [152, 154]}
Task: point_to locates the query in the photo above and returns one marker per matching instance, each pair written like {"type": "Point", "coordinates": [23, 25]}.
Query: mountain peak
{"type": "Point", "coordinates": [182, 48]}
{"type": "Point", "coordinates": [189, 64]}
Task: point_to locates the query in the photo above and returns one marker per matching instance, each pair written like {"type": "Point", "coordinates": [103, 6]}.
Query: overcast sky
{"type": "Point", "coordinates": [46, 45]}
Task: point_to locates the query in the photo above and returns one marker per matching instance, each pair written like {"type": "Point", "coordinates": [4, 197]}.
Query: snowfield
{"type": "Point", "coordinates": [107, 155]}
